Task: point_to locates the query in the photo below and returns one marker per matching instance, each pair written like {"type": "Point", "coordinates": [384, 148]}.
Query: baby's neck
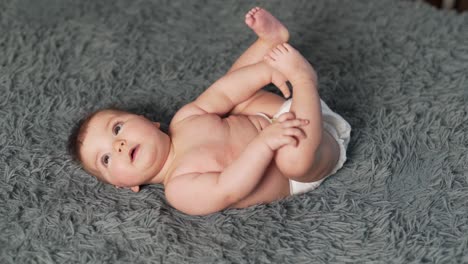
{"type": "Point", "coordinates": [162, 176]}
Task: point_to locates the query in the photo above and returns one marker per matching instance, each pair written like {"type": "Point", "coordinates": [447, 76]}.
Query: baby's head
{"type": "Point", "coordinates": [120, 148]}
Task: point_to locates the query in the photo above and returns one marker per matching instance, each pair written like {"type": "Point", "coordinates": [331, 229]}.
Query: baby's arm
{"type": "Point", "coordinates": [238, 86]}
{"type": "Point", "coordinates": [233, 89]}
{"type": "Point", "coordinates": [205, 193]}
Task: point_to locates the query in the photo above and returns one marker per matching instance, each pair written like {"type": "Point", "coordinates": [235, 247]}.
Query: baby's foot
{"type": "Point", "coordinates": [291, 63]}
{"type": "Point", "coordinates": [266, 26]}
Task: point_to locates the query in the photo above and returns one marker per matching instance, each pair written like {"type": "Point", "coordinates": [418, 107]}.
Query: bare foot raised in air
{"type": "Point", "coordinates": [266, 26]}
{"type": "Point", "coordinates": [291, 64]}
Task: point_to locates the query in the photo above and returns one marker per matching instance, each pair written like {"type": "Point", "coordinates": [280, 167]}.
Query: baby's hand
{"type": "Point", "coordinates": [286, 130]}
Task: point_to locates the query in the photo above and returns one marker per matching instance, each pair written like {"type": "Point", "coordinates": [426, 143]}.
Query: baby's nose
{"type": "Point", "coordinates": [120, 145]}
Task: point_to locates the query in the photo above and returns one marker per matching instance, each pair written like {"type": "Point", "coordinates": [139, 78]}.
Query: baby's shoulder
{"type": "Point", "coordinates": [194, 120]}
{"type": "Point", "coordinates": [187, 111]}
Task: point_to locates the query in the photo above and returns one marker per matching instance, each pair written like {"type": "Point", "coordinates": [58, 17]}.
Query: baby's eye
{"type": "Point", "coordinates": [116, 129]}
{"type": "Point", "coordinates": [105, 159]}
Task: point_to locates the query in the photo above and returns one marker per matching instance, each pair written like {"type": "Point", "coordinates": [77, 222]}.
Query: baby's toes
{"type": "Point", "coordinates": [268, 59]}
{"type": "Point", "coordinates": [274, 54]}
{"type": "Point", "coordinates": [278, 50]}
{"type": "Point", "coordinates": [288, 47]}
{"type": "Point", "coordinates": [282, 48]}
{"type": "Point", "coordinates": [292, 50]}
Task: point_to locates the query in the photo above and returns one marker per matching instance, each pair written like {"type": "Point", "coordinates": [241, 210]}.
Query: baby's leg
{"type": "Point", "coordinates": [270, 33]}
{"type": "Point", "coordinates": [316, 155]}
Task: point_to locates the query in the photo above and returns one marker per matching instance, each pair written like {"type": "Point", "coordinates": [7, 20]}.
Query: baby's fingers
{"type": "Point", "coordinates": [289, 140]}
{"type": "Point", "coordinates": [279, 141]}
{"type": "Point", "coordinates": [294, 132]}
{"type": "Point", "coordinates": [294, 123]}
{"type": "Point", "coordinates": [286, 116]}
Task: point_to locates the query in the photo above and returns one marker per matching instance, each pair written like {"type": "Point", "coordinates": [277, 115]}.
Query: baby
{"type": "Point", "coordinates": [236, 145]}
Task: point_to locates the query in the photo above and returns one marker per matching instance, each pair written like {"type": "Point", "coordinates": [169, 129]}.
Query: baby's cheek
{"type": "Point", "coordinates": [122, 174]}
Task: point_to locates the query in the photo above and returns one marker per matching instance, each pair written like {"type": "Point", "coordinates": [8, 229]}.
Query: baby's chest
{"type": "Point", "coordinates": [204, 158]}
{"type": "Point", "coordinates": [209, 143]}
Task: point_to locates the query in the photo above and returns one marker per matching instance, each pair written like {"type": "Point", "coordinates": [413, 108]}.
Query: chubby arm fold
{"type": "Point", "coordinates": [205, 193]}
{"type": "Point", "coordinates": [232, 89]}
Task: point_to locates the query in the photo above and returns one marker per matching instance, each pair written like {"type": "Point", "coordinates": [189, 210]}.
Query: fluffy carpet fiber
{"type": "Point", "coordinates": [396, 70]}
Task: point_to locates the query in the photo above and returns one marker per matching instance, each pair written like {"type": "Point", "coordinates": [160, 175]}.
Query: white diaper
{"type": "Point", "coordinates": [333, 124]}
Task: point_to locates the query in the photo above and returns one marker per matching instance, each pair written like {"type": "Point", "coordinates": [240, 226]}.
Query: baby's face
{"type": "Point", "coordinates": [124, 149]}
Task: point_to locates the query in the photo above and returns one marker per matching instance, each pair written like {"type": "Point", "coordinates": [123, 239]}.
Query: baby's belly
{"type": "Point", "coordinates": [218, 147]}
{"type": "Point", "coordinates": [243, 129]}
{"type": "Point", "coordinates": [274, 185]}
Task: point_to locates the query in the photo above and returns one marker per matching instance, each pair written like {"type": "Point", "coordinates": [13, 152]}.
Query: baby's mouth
{"type": "Point", "coordinates": [134, 152]}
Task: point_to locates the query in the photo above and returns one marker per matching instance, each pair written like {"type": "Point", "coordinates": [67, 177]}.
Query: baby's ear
{"type": "Point", "coordinates": [135, 188]}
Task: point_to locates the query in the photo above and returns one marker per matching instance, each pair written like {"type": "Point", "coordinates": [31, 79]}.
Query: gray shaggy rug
{"type": "Point", "coordinates": [396, 70]}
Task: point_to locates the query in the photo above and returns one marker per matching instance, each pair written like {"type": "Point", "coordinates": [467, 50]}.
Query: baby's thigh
{"type": "Point", "coordinates": [262, 101]}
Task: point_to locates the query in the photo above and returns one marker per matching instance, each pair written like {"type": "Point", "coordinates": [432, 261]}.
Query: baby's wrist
{"type": "Point", "coordinates": [264, 147]}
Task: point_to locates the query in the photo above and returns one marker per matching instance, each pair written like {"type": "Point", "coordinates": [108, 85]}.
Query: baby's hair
{"type": "Point", "coordinates": [75, 140]}
{"type": "Point", "coordinates": [78, 132]}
